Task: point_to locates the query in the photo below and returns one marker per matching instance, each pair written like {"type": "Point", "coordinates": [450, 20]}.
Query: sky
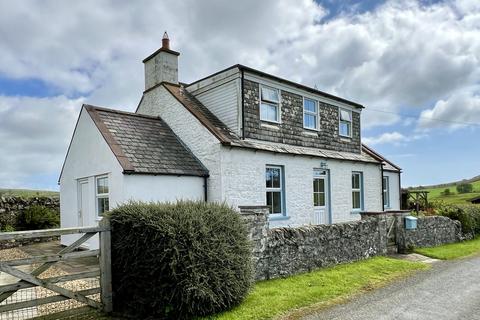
{"type": "Point", "coordinates": [414, 65]}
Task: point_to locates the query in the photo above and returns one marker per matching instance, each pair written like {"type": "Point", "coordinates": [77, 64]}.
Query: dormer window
{"type": "Point", "coordinates": [310, 114]}
{"type": "Point", "coordinates": [345, 128]}
{"type": "Point", "coordinates": [269, 104]}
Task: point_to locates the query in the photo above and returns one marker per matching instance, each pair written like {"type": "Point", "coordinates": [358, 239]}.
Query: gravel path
{"type": "Point", "coordinates": [450, 290]}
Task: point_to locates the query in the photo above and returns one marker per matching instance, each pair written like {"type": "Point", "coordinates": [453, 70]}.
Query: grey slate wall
{"type": "Point", "coordinates": [291, 130]}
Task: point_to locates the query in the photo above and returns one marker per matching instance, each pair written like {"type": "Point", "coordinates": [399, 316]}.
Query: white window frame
{"type": "Point", "coordinates": [101, 195]}
{"type": "Point", "coordinates": [281, 189]}
{"type": "Point", "coordinates": [359, 190]}
{"type": "Point", "coordinates": [348, 122]}
{"type": "Point", "coordinates": [386, 191]}
{"type": "Point", "coordinates": [277, 104]}
{"type": "Point", "coordinates": [316, 114]}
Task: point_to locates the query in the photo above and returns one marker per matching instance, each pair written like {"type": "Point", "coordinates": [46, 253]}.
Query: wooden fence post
{"type": "Point", "coordinates": [106, 266]}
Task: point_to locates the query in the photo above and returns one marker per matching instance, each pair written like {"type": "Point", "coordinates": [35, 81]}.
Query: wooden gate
{"type": "Point", "coordinates": [40, 264]}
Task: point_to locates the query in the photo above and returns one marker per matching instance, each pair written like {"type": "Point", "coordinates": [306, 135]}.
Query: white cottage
{"type": "Point", "coordinates": [240, 136]}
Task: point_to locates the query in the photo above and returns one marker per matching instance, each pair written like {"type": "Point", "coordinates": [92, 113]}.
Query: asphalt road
{"type": "Point", "coordinates": [450, 290]}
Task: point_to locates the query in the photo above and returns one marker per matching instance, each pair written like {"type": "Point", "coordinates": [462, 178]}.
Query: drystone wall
{"type": "Point", "coordinates": [281, 252]}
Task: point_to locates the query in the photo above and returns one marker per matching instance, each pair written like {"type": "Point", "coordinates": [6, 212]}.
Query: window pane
{"type": "Point", "coordinates": [102, 185]}
{"type": "Point", "coordinates": [310, 121]}
{"type": "Point", "coordinates": [103, 205]}
{"type": "Point", "coordinates": [356, 199]}
{"type": "Point", "coordinates": [355, 181]}
{"type": "Point", "coordinates": [310, 105]}
{"type": "Point", "coordinates": [268, 178]}
{"type": "Point", "coordinates": [276, 176]}
{"type": "Point", "coordinates": [345, 115]}
{"type": "Point", "coordinates": [345, 128]}
{"type": "Point", "coordinates": [269, 94]}
{"type": "Point", "coordinates": [316, 185]}
{"type": "Point", "coordinates": [385, 198]}
{"type": "Point", "coordinates": [321, 184]}
{"type": "Point", "coordinates": [269, 201]}
{"type": "Point", "coordinates": [268, 112]}
{"type": "Point", "coordinates": [277, 202]}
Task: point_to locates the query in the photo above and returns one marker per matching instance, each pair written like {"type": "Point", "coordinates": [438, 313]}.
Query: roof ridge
{"type": "Point", "coordinates": [132, 114]}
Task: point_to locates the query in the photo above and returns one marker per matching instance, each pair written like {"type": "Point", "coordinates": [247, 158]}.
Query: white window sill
{"type": "Point", "coordinates": [356, 211]}
{"type": "Point", "coordinates": [270, 125]}
{"type": "Point", "coordinates": [278, 217]}
{"type": "Point", "coordinates": [310, 132]}
{"type": "Point", "coordinates": [345, 138]}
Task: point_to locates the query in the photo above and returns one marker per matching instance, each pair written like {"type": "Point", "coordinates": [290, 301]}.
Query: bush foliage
{"type": "Point", "coordinates": [464, 188]}
{"type": "Point", "coordinates": [178, 261]}
{"type": "Point", "coordinates": [38, 217]}
{"type": "Point", "coordinates": [467, 214]}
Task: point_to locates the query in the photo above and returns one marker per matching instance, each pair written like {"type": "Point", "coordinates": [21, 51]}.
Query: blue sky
{"type": "Point", "coordinates": [413, 64]}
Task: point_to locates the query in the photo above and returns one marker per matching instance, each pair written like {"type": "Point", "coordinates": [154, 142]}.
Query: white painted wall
{"type": "Point", "coordinates": [162, 188]}
{"type": "Point", "coordinates": [89, 156]}
{"type": "Point", "coordinates": [223, 101]}
{"type": "Point", "coordinates": [243, 174]}
{"type": "Point", "coordinates": [394, 189]}
{"type": "Point", "coordinates": [204, 145]}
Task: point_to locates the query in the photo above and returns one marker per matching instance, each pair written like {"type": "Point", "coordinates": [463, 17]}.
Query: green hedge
{"type": "Point", "coordinates": [467, 214]}
{"type": "Point", "coordinates": [37, 217]}
{"type": "Point", "coordinates": [178, 261]}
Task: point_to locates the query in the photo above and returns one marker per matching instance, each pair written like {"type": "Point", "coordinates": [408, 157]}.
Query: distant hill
{"type": "Point", "coordinates": [436, 192]}
{"type": "Point", "coordinates": [26, 193]}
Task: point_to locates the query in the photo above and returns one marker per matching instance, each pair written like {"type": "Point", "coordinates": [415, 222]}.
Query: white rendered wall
{"type": "Point", "coordinates": [89, 156]}
{"type": "Point", "coordinates": [243, 173]}
{"type": "Point", "coordinates": [393, 180]}
{"type": "Point", "coordinates": [162, 188]}
{"type": "Point", "coordinates": [204, 145]}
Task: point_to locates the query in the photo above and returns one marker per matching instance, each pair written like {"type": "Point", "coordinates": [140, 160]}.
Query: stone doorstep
{"type": "Point", "coordinates": [414, 257]}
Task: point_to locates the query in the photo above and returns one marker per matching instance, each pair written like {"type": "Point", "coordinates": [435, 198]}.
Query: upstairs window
{"type": "Point", "coordinates": [269, 104]}
{"type": "Point", "coordinates": [102, 195]}
{"type": "Point", "coordinates": [386, 192]}
{"type": "Point", "coordinates": [310, 114]}
{"type": "Point", "coordinates": [274, 189]}
{"type": "Point", "coordinates": [357, 191]}
{"type": "Point", "coordinates": [345, 123]}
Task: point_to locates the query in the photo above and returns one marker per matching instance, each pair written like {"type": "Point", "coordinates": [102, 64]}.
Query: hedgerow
{"type": "Point", "coordinates": [467, 214]}
{"type": "Point", "coordinates": [178, 261]}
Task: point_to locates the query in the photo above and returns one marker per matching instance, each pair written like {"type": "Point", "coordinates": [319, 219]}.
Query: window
{"type": "Point", "coordinates": [274, 189]}
{"type": "Point", "coordinates": [386, 192]}
{"type": "Point", "coordinates": [345, 123]}
{"type": "Point", "coordinates": [357, 192]}
{"type": "Point", "coordinates": [103, 204]}
{"type": "Point", "coordinates": [269, 104]}
{"type": "Point", "coordinates": [319, 192]}
{"type": "Point", "coordinates": [310, 114]}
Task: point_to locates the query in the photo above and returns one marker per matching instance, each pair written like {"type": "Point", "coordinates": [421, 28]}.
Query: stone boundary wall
{"type": "Point", "coordinates": [281, 252]}
{"type": "Point", "coordinates": [431, 231]}
{"type": "Point", "coordinates": [10, 209]}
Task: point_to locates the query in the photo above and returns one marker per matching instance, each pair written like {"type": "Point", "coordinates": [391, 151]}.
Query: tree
{"type": "Point", "coordinates": [464, 188]}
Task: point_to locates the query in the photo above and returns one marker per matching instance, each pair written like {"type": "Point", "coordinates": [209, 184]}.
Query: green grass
{"type": "Point", "coordinates": [311, 291]}
{"type": "Point", "coordinates": [26, 193]}
{"type": "Point", "coordinates": [454, 198]}
{"type": "Point", "coordinates": [452, 250]}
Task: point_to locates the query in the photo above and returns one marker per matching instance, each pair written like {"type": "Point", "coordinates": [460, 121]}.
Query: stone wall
{"type": "Point", "coordinates": [281, 252]}
{"type": "Point", "coordinates": [430, 232]}
{"type": "Point", "coordinates": [11, 207]}
{"type": "Point", "coordinates": [290, 130]}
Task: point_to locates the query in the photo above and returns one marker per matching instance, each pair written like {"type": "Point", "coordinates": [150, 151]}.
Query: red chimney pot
{"type": "Point", "coordinates": [165, 41]}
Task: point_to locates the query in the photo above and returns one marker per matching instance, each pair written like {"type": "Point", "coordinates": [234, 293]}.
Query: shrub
{"type": "Point", "coordinates": [38, 217]}
{"type": "Point", "coordinates": [464, 188]}
{"type": "Point", "coordinates": [446, 192]}
{"type": "Point", "coordinates": [178, 261]}
{"type": "Point", "coordinates": [467, 214]}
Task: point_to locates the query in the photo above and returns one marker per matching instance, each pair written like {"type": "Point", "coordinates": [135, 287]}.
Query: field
{"type": "Point", "coordinates": [25, 193]}
{"type": "Point", "coordinates": [454, 197]}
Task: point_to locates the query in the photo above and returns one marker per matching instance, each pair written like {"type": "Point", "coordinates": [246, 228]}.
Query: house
{"type": "Point", "coordinates": [241, 136]}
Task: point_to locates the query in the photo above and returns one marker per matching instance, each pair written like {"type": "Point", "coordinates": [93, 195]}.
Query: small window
{"type": "Point", "coordinates": [319, 192]}
{"type": "Point", "coordinates": [357, 191]}
{"type": "Point", "coordinates": [386, 192]}
{"type": "Point", "coordinates": [269, 104]}
{"type": "Point", "coordinates": [310, 114]}
{"type": "Point", "coordinates": [102, 195]}
{"type": "Point", "coordinates": [345, 128]}
{"type": "Point", "coordinates": [274, 189]}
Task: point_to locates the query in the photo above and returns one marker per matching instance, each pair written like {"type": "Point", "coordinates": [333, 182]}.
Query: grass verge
{"type": "Point", "coordinates": [452, 250]}
{"type": "Point", "coordinates": [292, 296]}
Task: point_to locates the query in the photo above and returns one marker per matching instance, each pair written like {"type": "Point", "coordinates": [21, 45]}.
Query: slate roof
{"type": "Point", "coordinates": [145, 144]}
{"type": "Point", "coordinates": [387, 164]}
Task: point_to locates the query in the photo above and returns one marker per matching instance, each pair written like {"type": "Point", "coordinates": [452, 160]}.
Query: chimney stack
{"type": "Point", "coordinates": [162, 65]}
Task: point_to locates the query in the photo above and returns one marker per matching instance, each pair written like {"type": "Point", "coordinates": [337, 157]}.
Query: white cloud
{"type": "Point", "coordinates": [388, 137]}
{"type": "Point", "coordinates": [458, 111]}
{"type": "Point", "coordinates": [34, 135]}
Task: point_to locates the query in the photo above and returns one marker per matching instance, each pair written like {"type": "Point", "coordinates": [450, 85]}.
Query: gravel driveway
{"type": "Point", "coordinates": [450, 290]}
